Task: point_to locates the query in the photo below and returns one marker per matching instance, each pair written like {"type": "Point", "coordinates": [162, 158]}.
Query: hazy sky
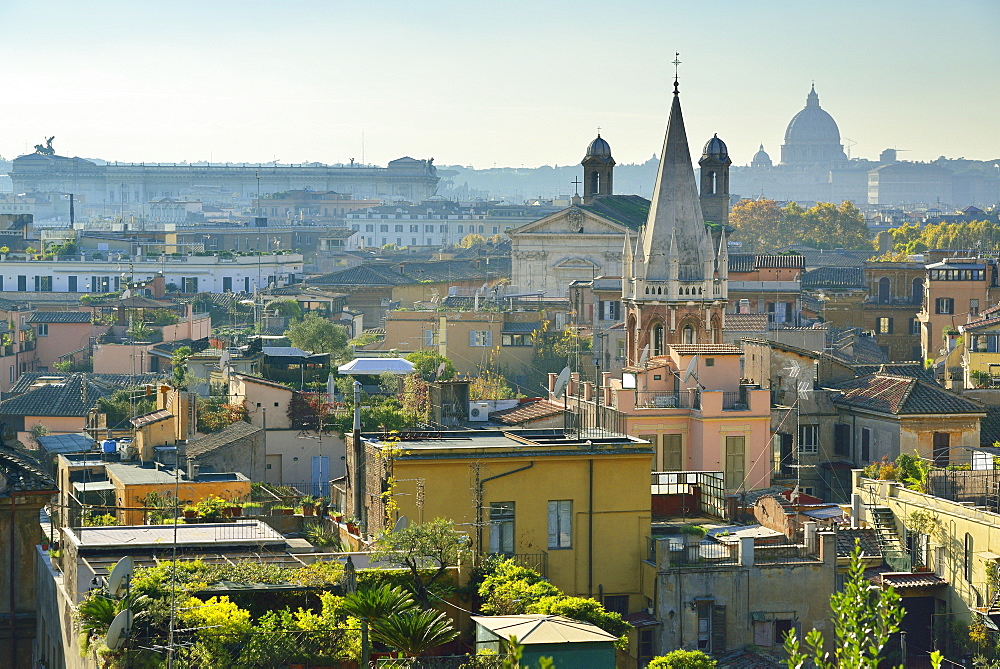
{"type": "Point", "coordinates": [506, 83]}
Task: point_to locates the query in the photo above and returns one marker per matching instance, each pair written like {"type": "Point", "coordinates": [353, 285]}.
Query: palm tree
{"type": "Point", "coordinates": [415, 631]}
{"type": "Point", "coordinates": [95, 614]}
{"type": "Point", "coordinates": [376, 604]}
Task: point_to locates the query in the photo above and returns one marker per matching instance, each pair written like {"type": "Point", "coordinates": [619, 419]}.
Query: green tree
{"type": "Point", "coordinates": [509, 589]}
{"type": "Point", "coordinates": [415, 631]}
{"type": "Point", "coordinates": [318, 335]}
{"type": "Point", "coordinates": [490, 385]}
{"type": "Point", "coordinates": [427, 363]}
{"type": "Point", "coordinates": [178, 365]}
{"type": "Point", "coordinates": [215, 414]}
{"type": "Point", "coordinates": [123, 405]}
{"type": "Point", "coordinates": [682, 659]}
{"type": "Point", "coordinates": [434, 545]}
{"type": "Point", "coordinates": [757, 224]}
{"type": "Point", "coordinates": [764, 226]}
{"type": "Point", "coordinates": [587, 610]}
{"type": "Point", "coordinates": [471, 240]}
{"type": "Point", "coordinates": [287, 308]}
{"type": "Point", "coordinates": [371, 605]}
{"type": "Point", "coordinates": [863, 620]}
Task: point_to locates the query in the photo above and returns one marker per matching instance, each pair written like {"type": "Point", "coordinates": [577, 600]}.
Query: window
{"type": "Point", "coordinates": [672, 453]}
{"type": "Point", "coordinates": [808, 438]}
{"type": "Point", "coordinates": [646, 647]}
{"type": "Point", "coordinates": [974, 307]}
{"type": "Point", "coordinates": [43, 329]}
{"type": "Point", "coordinates": [560, 524]}
{"type": "Point", "coordinates": [43, 284]}
{"type": "Point", "coordinates": [866, 444]}
{"type": "Point", "coordinates": [620, 349]}
{"type": "Point", "coordinates": [944, 305]}
{"type": "Point", "coordinates": [480, 338]}
{"type": "Point", "coordinates": [914, 326]}
{"type": "Point", "coordinates": [705, 626]}
{"type": "Point", "coordinates": [515, 340]}
{"type": "Point", "coordinates": [616, 604]}
{"type": "Point", "coordinates": [502, 527]}
{"type": "Point", "coordinates": [735, 458]}
{"type": "Point", "coordinates": [842, 439]}
{"type": "Point", "coordinates": [189, 284]}
{"type": "Point", "coordinates": [609, 310]}
{"type": "Point", "coordinates": [414, 228]}
{"type": "Point", "coordinates": [227, 284]}
{"type": "Point", "coordinates": [967, 558]}
{"type": "Point", "coordinates": [710, 362]}
{"type": "Point", "coordinates": [22, 284]}
{"type": "Point", "coordinates": [783, 627]}
{"type": "Point", "coordinates": [369, 228]}
{"type": "Point", "coordinates": [885, 326]}
{"type": "Point", "coordinates": [942, 445]}
{"type": "Point", "coordinates": [71, 284]}
{"type": "Point", "coordinates": [399, 228]}
{"type": "Point", "coordinates": [430, 338]}
{"type": "Point", "coordinates": [688, 334]}
{"type": "Point", "coordinates": [383, 228]}
{"type": "Point", "coordinates": [428, 228]}
{"type": "Point", "coordinates": [657, 340]}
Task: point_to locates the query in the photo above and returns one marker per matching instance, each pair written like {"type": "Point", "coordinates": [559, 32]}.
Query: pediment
{"type": "Point", "coordinates": [576, 263]}
{"type": "Point", "coordinates": [569, 221]}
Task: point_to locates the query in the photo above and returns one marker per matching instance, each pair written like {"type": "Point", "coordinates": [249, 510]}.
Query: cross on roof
{"type": "Point", "coordinates": [576, 182]}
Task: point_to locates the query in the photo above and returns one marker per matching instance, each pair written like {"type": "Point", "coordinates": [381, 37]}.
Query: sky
{"type": "Point", "coordinates": [484, 84]}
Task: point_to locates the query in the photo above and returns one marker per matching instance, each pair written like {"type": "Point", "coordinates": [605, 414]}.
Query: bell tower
{"type": "Point", "coordinates": [598, 169]}
{"type": "Point", "coordinates": [715, 162]}
{"type": "Point", "coordinates": [675, 279]}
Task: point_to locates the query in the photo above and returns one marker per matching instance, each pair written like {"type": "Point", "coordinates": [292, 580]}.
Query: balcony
{"type": "Point", "coordinates": [650, 399]}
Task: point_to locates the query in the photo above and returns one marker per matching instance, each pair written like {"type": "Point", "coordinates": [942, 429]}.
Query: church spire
{"type": "Point", "coordinates": [675, 224]}
{"type": "Point", "coordinates": [812, 100]}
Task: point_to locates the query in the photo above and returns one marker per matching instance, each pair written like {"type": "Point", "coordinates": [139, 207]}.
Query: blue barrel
{"type": "Point", "coordinates": [109, 445]}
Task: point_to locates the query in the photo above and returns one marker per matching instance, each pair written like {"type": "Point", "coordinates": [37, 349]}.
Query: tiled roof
{"type": "Point", "coordinates": [915, 370]}
{"type": "Point", "coordinates": [834, 277]}
{"type": "Point", "coordinates": [748, 262]}
{"type": "Point", "coordinates": [901, 395]}
{"type": "Point", "coordinates": [526, 411]}
{"type": "Point", "coordinates": [225, 437]}
{"type": "Point", "coordinates": [59, 317]}
{"type": "Point", "coordinates": [262, 381]}
{"type": "Point", "coordinates": [746, 322]}
{"type": "Point", "coordinates": [151, 417]}
{"type": "Point", "coordinates": [980, 324]}
{"type": "Point", "coordinates": [369, 274]}
{"type": "Point", "coordinates": [909, 579]}
{"type": "Point", "coordinates": [989, 427]}
{"type": "Point", "coordinates": [117, 381]}
{"type": "Point", "coordinates": [21, 472]}
{"type": "Point", "coordinates": [628, 210]}
{"type": "Point", "coordinates": [846, 538]}
{"type": "Point", "coordinates": [706, 349]}
{"type": "Point", "coordinates": [76, 396]}
{"type": "Point", "coordinates": [455, 270]}
{"type": "Point", "coordinates": [520, 328]}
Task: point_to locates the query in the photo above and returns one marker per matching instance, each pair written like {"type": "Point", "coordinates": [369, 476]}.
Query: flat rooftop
{"type": "Point", "coordinates": [160, 536]}
{"type": "Point", "coordinates": [555, 440]}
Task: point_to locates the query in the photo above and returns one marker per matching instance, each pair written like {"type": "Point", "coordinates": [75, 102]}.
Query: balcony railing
{"type": "Point", "coordinates": [735, 401]}
{"type": "Point", "coordinates": [648, 399]}
{"type": "Point", "coordinates": [537, 561]}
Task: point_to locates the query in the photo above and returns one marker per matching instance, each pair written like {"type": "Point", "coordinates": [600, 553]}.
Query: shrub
{"type": "Point", "coordinates": [682, 659]}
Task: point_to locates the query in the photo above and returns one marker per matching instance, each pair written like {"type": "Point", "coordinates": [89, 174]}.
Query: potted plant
{"type": "Point", "coordinates": [308, 505]}
{"type": "Point", "coordinates": [251, 508]}
{"type": "Point", "coordinates": [190, 511]}
{"type": "Point", "coordinates": [693, 534]}
{"type": "Point", "coordinates": [282, 510]}
{"type": "Point", "coordinates": [352, 526]}
{"type": "Point", "coordinates": [236, 510]}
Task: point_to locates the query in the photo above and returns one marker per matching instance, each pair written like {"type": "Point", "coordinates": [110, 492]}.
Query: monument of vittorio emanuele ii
{"type": "Point", "coordinates": [118, 184]}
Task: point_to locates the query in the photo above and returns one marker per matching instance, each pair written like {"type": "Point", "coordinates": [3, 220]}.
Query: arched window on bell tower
{"type": "Point", "coordinates": [687, 335]}
{"type": "Point", "coordinates": [658, 340]}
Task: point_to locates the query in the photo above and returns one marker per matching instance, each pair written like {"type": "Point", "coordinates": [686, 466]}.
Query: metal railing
{"type": "Point", "coordinates": [704, 554]}
{"type": "Point", "coordinates": [536, 561]}
{"type": "Point", "coordinates": [735, 401]}
{"type": "Point", "coordinates": [649, 399]}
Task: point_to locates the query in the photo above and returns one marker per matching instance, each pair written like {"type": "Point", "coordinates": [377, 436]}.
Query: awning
{"type": "Point", "coordinates": [903, 580]}
{"type": "Point", "coordinates": [769, 616]}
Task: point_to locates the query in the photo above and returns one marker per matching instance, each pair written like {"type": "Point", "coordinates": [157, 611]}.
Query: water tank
{"type": "Point", "coordinates": [109, 445]}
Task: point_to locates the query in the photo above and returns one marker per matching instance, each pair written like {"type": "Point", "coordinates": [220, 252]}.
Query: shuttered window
{"type": "Point", "coordinates": [480, 338]}
{"type": "Point", "coordinates": [561, 523]}
{"type": "Point", "coordinates": [672, 453]}
{"type": "Point", "coordinates": [735, 458]}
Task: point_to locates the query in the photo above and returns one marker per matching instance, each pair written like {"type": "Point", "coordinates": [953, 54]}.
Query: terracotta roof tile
{"type": "Point", "coordinates": [526, 411]}
{"type": "Point", "coordinates": [887, 393]}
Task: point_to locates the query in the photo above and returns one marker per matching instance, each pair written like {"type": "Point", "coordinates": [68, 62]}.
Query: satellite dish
{"type": "Point", "coordinates": [440, 370]}
{"type": "Point", "coordinates": [119, 629]}
{"type": "Point", "coordinates": [644, 358]}
{"type": "Point", "coordinates": [401, 524]}
{"type": "Point", "coordinates": [561, 382]}
{"type": "Point", "coordinates": [692, 370]}
{"type": "Point", "coordinates": [119, 575]}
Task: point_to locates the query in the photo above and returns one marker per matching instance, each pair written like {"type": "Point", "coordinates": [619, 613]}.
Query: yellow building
{"type": "Point", "coordinates": [577, 510]}
{"type": "Point", "coordinates": [470, 339]}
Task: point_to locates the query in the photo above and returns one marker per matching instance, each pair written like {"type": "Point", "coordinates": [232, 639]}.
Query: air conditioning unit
{"type": "Point", "coordinates": [479, 411]}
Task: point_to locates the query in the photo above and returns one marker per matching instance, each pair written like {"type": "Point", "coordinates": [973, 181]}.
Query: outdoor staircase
{"type": "Point", "coordinates": [893, 549]}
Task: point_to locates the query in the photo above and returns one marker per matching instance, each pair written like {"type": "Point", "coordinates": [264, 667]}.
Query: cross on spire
{"type": "Point", "coordinates": [676, 61]}
{"type": "Point", "coordinates": [576, 182]}
{"type": "Point", "coordinates": [598, 131]}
